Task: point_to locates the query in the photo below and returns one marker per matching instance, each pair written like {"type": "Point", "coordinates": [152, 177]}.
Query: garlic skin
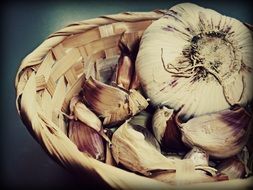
{"type": "Point", "coordinates": [186, 173]}
{"type": "Point", "coordinates": [233, 168]}
{"type": "Point", "coordinates": [87, 139]}
{"type": "Point", "coordinates": [125, 67]}
{"type": "Point", "coordinates": [198, 156]}
{"type": "Point", "coordinates": [124, 72]}
{"type": "Point", "coordinates": [135, 82]}
{"type": "Point", "coordinates": [142, 119]}
{"type": "Point", "coordinates": [166, 130]}
{"type": "Point", "coordinates": [111, 103]}
{"type": "Point", "coordinates": [136, 148]}
{"type": "Point", "coordinates": [221, 134]}
{"type": "Point", "coordinates": [198, 58]}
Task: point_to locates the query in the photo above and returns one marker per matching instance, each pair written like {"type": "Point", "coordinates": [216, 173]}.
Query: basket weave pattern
{"type": "Point", "coordinates": [49, 77]}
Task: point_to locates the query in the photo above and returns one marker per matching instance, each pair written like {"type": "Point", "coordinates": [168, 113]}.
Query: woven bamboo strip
{"type": "Point", "coordinates": [74, 90]}
{"type": "Point", "coordinates": [57, 101]}
{"type": "Point", "coordinates": [58, 51]}
{"type": "Point", "coordinates": [46, 105]}
{"type": "Point", "coordinates": [65, 63]}
{"type": "Point", "coordinates": [81, 39]}
{"type": "Point", "coordinates": [71, 76]}
{"type": "Point", "coordinates": [43, 72]}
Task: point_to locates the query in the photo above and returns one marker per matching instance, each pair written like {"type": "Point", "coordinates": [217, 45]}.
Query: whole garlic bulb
{"type": "Point", "coordinates": [204, 60]}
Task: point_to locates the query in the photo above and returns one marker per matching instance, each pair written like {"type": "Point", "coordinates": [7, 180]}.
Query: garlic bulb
{"type": "Point", "coordinates": [221, 134]}
{"type": "Point", "coordinates": [166, 130]}
{"type": "Point", "coordinates": [111, 103]}
{"type": "Point", "coordinates": [136, 148]}
{"type": "Point", "coordinates": [87, 139]}
{"type": "Point", "coordinates": [198, 58]}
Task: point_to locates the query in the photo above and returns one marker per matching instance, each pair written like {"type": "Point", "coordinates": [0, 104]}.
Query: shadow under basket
{"type": "Point", "coordinates": [54, 72]}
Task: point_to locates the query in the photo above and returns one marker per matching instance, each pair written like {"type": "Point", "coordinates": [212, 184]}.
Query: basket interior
{"type": "Point", "coordinates": [65, 67]}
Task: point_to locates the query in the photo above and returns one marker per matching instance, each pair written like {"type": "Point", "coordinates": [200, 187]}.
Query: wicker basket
{"type": "Point", "coordinates": [53, 73]}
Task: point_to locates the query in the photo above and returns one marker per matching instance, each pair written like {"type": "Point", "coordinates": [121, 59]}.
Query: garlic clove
{"type": "Point", "coordinates": [136, 148]}
{"type": "Point", "coordinates": [124, 72]}
{"type": "Point", "coordinates": [221, 134]}
{"type": "Point", "coordinates": [111, 103]}
{"type": "Point", "coordinates": [125, 75]}
{"type": "Point", "coordinates": [166, 130]}
{"type": "Point", "coordinates": [81, 112]}
{"type": "Point", "coordinates": [87, 139]}
{"type": "Point", "coordinates": [198, 156]}
{"type": "Point", "coordinates": [233, 168]}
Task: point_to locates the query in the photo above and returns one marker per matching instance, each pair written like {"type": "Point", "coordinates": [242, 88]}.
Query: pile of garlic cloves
{"type": "Point", "coordinates": [189, 123]}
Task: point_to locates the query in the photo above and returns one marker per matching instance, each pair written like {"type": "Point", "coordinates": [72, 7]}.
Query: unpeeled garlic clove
{"type": "Point", "coordinates": [233, 168]}
{"type": "Point", "coordinates": [124, 72]}
{"type": "Point", "coordinates": [221, 134]}
{"type": "Point", "coordinates": [198, 156]}
{"type": "Point", "coordinates": [136, 148]}
{"type": "Point", "coordinates": [165, 129]}
{"type": "Point", "coordinates": [87, 139]}
{"type": "Point", "coordinates": [111, 103]}
{"type": "Point", "coordinates": [125, 67]}
{"type": "Point", "coordinates": [81, 112]}
{"type": "Point", "coordinates": [125, 75]}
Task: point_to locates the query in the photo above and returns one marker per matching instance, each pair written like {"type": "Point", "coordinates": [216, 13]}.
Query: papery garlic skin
{"type": "Point", "coordinates": [198, 156]}
{"type": "Point", "coordinates": [136, 148]}
{"type": "Point", "coordinates": [142, 119]}
{"type": "Point", "coordinates": [166, 130]}
{"type": "Point", "coordinates": [233, 168]}
{"type": "Point", "coordinates": [159, 122]}
{"type": "Point", "coordinates": [198, 58]}
{"type": "Point", "coordinates": [186, 173]}
{"type": "Point", "coordinates": [221, 134]}
{"type": "Point", "coordinates": [111, 103]}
